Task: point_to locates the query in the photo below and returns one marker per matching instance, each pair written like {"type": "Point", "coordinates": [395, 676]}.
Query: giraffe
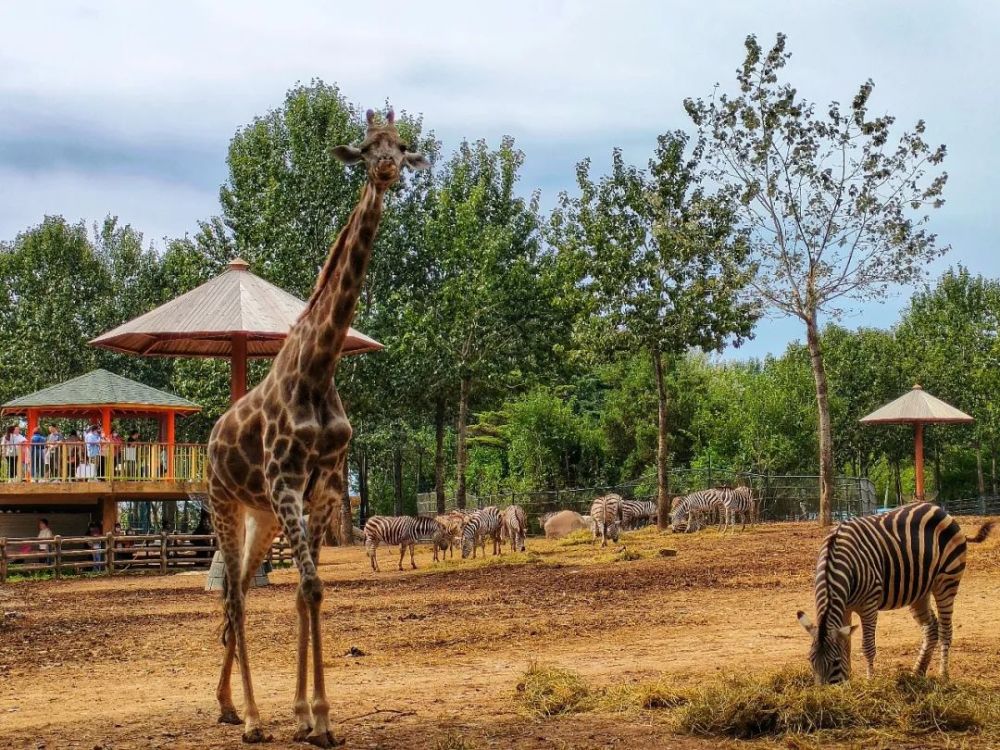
{"type": "Point", "coordinates": [278, 453]}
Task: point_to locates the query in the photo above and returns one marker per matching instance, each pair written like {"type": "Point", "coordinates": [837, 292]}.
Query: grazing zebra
{"type": "Point", "coordinates": [873, 563]}
{"type": "Point", "coordinates": [606, 518]}
{"type": "Point", "coordinates": [453, 522]}
{"type": "Point", "coordinates": [738, 501]}
{"type": "Point", "coordinates": [514, 526]}
{"type": "Point", "coordinates": [485, 522]}
{"type": "Point", "coordinates": [405, 531]}
{"type": "Point", "coordinates": [692, 509]}
{"type": "Point", "coordinates": [636, 513]}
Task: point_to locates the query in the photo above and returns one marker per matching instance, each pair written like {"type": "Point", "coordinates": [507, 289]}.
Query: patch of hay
{"type": "Point", "coordinates": [452, 742]}
{"type": "Point", "coordinates": [550, 691]}
{"type": "Point", "coordinates": [581, 536]}
{"type": "Point", "coordinates": [787, 702]}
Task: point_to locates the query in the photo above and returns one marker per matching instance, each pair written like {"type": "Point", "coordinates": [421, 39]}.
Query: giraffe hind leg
{"type": "Point", "coordinates": [228, 526]}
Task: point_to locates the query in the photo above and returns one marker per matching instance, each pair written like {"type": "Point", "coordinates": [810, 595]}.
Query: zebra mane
{"type": "Point", "coordinates": [830, 546]}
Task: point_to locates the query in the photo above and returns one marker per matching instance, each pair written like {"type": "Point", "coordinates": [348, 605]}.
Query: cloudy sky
{"type": "Point", "coordinates": [124, 107]}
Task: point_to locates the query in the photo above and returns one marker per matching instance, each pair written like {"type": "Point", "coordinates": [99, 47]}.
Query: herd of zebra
{"type": "Point", "coordinates": [609, 514]}
{"type": "Point", "coordinates": [466, 530]}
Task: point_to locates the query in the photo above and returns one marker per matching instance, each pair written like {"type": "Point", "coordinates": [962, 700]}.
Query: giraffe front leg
{"type": "Point", "coordinates": [321, 734]}
{"type": "Point", "coordinates": [303, 715]}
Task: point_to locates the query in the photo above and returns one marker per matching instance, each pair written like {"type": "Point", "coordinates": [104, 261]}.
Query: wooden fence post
{"type": "Point", "coordinates": [111, 553]}
{"type": "Point", "coordinates": [3, 559]}
{"type": "Point", "coordinates": [58, 541]}
{"type": "Point", "coordinates": [163, 552]}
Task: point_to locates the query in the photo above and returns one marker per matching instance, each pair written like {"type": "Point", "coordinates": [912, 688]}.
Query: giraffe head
{"type": "Point", "coordinates": [383, 152]}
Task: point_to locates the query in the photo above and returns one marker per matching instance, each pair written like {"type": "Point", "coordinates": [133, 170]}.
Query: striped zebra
{"type": "Point", "coordinates": [738, 501]}
{"type": "Point", "coordinates": [606, 518]}
{"type": "Point", "coordinates": [636, 513]}
{"type": "Point", "coordinates": [485, 522]}
{"type": "Point", "coordinates": [514, 526]}
{"type": "Point", "coordinates": [405, 531]}
{"type": "Point", "coordinates": [874, 563]}
{"type": "Point", "coordinates": [692, 510]}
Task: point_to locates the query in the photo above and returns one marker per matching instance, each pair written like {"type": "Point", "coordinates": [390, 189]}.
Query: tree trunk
{"type": "Point", "coordinates": [981, 480]}
{"type": "Point", "coordinates": [993, 468]}
{"type": "Point", "coordinates": [364, 509]}
{"type": "Point", "coordinates": [397, 479]}
{"type": "Point", "coordinates": [439, 455]}
{"type": "Point", "coordinates": [897, 480]}
{"type": "Point", "coordinates": [463, 418]}
{"type": "Point", "coordinates": [826, 475]}
{"type": "Point", "coordinates": [346, 522]}
{"type": "Point", "coordinates": [662, 479]}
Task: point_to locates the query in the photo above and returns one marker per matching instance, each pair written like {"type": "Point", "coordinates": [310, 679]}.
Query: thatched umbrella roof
{"type": "Point", "coordinates": [203, 322]}
{"type": "Point", "coordinates": [917, 405]}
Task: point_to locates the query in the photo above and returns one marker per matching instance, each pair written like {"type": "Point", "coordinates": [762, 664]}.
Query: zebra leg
{"type": "Point", "coordinates": [869, 619]}
{"type": "Point", "coordinates": [924, 616]}
{"type": "Point", "coordinates": [945, 600]}
{"type": "Point", "coordinates": [402, 554]}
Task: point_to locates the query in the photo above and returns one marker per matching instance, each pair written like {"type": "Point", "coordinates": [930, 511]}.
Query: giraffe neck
{"type": "Point", "coordinates": [313, 346]}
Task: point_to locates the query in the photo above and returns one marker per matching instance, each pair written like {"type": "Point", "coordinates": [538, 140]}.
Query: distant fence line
{"type": "Point", "coordinates": [783, 497]}
{"type": "Point", "coordinates": [112, 555]}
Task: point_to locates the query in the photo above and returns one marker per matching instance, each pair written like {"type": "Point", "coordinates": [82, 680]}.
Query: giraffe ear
{"type": "Point", "coordinates": [416, 161]}
{"type": "Point", "coordinates": [347, 154]}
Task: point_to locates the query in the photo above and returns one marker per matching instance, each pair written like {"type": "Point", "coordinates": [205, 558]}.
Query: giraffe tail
{"type": "Point", "coordinates": [226, 628]}
{"type": "Point", "coordinates": [984, 531]}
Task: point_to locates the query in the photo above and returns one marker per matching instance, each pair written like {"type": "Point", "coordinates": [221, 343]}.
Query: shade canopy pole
{"type": "Point", "coordinates": [238, 377]}
{"type": "Point", "coordinates": [918, 459]}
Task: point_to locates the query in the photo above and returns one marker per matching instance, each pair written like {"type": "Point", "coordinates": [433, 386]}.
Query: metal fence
{"type": "Point", "coordinates": [783, 497]}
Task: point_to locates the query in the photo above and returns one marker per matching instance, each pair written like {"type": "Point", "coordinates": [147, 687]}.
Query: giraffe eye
{"type": "Point", "coordinates": [404, 148]}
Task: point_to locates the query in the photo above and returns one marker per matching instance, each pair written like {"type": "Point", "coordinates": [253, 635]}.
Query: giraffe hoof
{"type": "Point", "coordinates": [324, 739]}
{"type": "Point", "coordinates": [302, 733]}
{"type": "Point", "coordinates": [255, 736]}
{"type": "Point", "coordinates": [229, 716]}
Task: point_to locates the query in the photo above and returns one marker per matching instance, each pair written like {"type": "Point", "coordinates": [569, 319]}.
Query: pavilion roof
{"type": "Point", "coordinates": [99, 388]}
{"type": "Point", "coordinates": [914, 406]}
{"type": "Point", "coordinates": [201, 323]}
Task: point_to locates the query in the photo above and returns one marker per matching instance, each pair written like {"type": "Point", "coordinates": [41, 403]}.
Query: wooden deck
{"type": "Point", "coordinates": [70, 475]}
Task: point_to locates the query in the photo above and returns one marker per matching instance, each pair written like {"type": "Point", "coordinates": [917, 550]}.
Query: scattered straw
{"type": "Point", "coordinates": [549, 691]}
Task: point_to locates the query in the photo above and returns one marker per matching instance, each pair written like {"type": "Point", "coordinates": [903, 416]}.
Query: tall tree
{"type": "Point", "coordinates": [833, 210]}
{"type": "Point", "coordinates": [663, 266]}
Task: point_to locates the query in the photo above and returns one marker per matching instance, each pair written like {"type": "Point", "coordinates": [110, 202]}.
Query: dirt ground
{"type": "Point", "coordinates": [132, 662]}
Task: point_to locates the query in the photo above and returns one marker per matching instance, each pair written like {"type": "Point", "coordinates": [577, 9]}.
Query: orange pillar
{"type": "Point", "coordinates": [170, 444]}
{"type": "Point", "coordinates": [106, 422]}
{"type": "Point", "coordinates": [918, 460]}
{"type": "Point", "coordinates": [32, 422]}
{"type": "Point", "coordinates": [238, 376]}
{"type": "Point", "coordinates": [109, 514]}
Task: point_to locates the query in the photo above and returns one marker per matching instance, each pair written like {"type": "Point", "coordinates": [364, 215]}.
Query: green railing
{"type": "Point", "coordinates": [106, 462]}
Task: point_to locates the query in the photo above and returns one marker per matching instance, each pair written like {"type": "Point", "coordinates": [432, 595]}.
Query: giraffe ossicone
{"type": "Point", "coordinates": [279, 452]}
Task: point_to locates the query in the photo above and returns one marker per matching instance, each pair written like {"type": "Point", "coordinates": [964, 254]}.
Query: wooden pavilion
{"type": "Point", "coordinates": [72, 480]}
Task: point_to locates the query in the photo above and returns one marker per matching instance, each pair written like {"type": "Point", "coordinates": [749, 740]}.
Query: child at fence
{"type": "Point", "coordinates": [122, 551]}
{"type": "Point", "coordinates": [44, 532]}
{"type": "Point", "coordinates": [97, 546]}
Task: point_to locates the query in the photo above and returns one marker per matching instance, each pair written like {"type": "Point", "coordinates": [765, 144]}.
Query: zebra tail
{"type": "Point", "coordinates": [984, 531]}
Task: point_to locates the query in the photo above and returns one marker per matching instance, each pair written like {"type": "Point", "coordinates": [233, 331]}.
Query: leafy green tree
{"type": "Point", "coordinates": [948, 336]}
{"type": "Point", "coordinates": [663, 266]}
{"type": "Point", "coordinates": [831, 207]}
{"type": "Point", "coordinates": [52, 288]}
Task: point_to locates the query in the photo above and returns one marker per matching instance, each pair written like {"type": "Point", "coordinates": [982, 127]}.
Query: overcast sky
{"type": "Point", "coordinates": [127, 107]}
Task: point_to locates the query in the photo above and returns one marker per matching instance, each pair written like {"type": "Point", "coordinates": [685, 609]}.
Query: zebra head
{"type": "Point", "coordinates": [468, 541]}
{"type": "Point", "coordinates": [679, 519]}
{"type": "Point", "coordinates": [830, 653]}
